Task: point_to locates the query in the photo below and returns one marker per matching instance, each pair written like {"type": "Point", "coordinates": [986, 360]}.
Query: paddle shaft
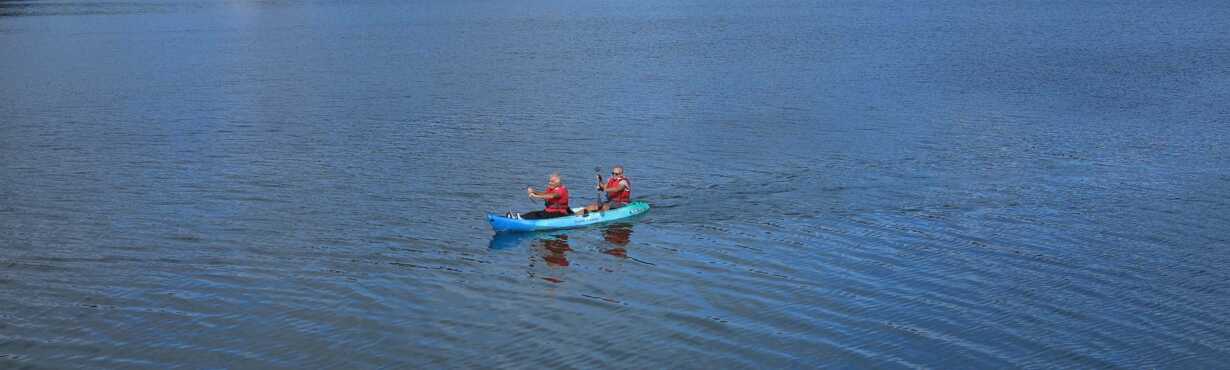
{"type": "Point", "coordinates": [599, 176]}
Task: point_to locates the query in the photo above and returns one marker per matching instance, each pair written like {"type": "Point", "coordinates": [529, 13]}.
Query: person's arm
{"type": "Point", "coordinates": [540, 194]}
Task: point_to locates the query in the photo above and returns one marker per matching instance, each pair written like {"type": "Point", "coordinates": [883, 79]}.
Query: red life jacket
{"type": "Point", "coordinates": [560, 203]}
{"type": "Point", "coordinates": [623, 196]}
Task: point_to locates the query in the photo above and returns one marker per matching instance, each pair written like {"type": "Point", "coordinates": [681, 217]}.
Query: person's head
{"type": "Point", "coordinates": [618, 170]}
{"type": "Point", "coordinates": [554, 180]}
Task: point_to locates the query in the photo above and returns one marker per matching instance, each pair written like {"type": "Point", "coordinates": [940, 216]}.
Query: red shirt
{"type": "Point", "coordinates": [624, 195]}
{"type": "Point", "coordinates": [558, 204]}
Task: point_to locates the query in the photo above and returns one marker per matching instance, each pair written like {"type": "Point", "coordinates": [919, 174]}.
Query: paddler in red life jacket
{"type": "Point", "coordinates": [618, 191]}
{"type": "Point", "coordinates": [556, 198]}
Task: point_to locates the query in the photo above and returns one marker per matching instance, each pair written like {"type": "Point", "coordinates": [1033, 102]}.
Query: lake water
{"type": "Point", "coordinates": [948, 184]}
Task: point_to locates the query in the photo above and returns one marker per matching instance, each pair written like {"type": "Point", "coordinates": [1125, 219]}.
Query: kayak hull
{"type": "Point", "coordinates": [501, 223]}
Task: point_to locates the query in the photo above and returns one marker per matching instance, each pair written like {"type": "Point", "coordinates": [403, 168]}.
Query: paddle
{"type": "Point", "coordinates": [598, 175]}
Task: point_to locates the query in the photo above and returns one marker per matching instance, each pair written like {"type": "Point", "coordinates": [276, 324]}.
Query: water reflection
{"type": "Point", "coordinates": [551, 248]}
{"type": "Point", "coordinates": [508, 240]}
{"type": "Point", "coordinates": [619, 235]}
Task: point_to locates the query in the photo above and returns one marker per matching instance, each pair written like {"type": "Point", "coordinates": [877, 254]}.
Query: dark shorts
{"type": "Point", "coordinates": [540, 215]}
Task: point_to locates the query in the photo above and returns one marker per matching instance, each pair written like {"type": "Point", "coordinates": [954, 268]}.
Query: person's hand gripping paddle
{"type": "Point", "coordinates": [597, 175]}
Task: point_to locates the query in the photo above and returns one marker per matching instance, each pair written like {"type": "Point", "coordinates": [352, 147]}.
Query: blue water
{"type": "Point", "coordinates": [952, 184]}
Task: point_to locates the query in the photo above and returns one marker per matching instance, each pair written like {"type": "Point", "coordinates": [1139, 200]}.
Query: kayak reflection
{"type": "Point", "coordinates": [507, 240]}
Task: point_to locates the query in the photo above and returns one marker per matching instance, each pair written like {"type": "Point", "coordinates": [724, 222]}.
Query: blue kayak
{"type": "Point", "coordinates": [501, 223]}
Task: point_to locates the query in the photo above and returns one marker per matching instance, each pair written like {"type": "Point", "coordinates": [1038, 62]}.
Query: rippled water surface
{"type": "Point", "coordinates": [951, 184]}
